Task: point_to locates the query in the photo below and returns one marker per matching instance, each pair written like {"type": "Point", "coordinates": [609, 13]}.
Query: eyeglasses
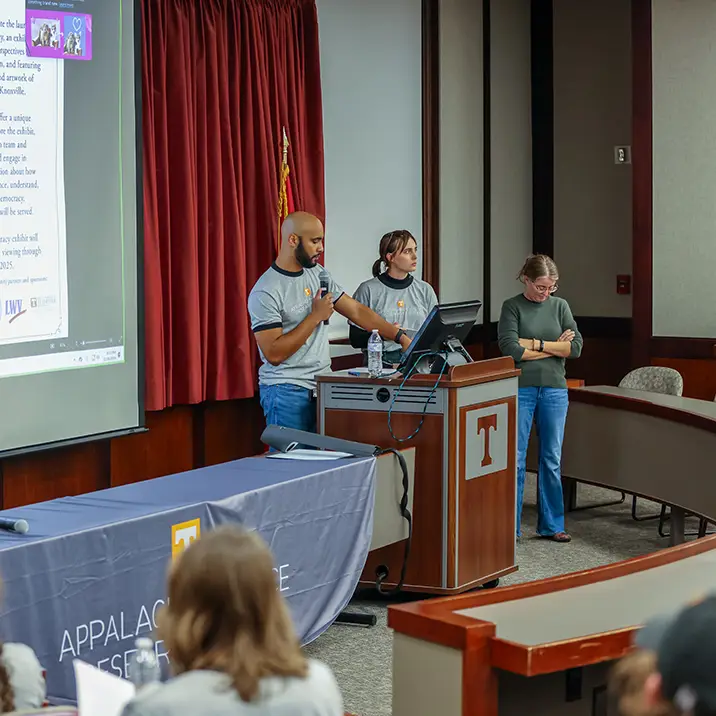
{"type": "Point", "coordinates": [544, 289]}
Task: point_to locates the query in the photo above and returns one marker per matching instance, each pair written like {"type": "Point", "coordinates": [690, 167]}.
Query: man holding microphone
{"type": "Point", "coordinates": [289, 318]}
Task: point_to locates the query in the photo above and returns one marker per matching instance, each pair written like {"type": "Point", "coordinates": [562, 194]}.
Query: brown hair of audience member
{"type": "Point", "coordinates": [538, 266]}
{"type": "Point", "coordinates": [224, 612]}
{"type": "Point", "coordinates": [627, 682]}
{"type": "Point", "coordinates": [392, 243]}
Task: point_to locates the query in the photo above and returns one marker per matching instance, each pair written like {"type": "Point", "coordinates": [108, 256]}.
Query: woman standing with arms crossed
{"type": "Point", "coordinates": [394, 293]}
{"type": "Point", "coordinates": [538, 331]}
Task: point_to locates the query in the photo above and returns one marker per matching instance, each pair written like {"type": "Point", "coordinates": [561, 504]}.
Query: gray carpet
{"type": "Point", "coordinates": [361, 658]}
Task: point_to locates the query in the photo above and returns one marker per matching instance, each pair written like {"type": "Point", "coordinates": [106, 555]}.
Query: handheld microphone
{"type": "Point", "coordinates": [12, 525]}
{"type": "Point", "coordinates": [323, 276]}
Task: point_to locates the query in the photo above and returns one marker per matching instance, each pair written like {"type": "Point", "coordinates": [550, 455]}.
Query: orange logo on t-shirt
{"type": "Point", "coordinates": [307, 291]}
{"type": "Point", "coordinates": [401, 304]}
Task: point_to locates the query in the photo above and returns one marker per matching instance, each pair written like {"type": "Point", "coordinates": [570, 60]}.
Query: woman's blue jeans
{"type": "Point", "coordinates": [547, 408]}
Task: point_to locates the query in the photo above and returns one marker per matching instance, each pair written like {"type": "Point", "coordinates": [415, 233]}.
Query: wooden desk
{"type": "Point", "coordinates": [655, 446]}
{"type": "Point", "coordinates": [543, 647]}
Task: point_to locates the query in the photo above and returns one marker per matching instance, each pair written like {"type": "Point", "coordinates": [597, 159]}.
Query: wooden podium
{"type": "Point", "coordinates": [465, 470]}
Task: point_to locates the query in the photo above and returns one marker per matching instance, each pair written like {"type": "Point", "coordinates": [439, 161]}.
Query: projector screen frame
{"type": "Point", "coordinates": [139, 263]}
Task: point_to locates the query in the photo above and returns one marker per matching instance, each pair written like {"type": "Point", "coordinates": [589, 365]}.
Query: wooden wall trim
{"type": "Point", "coordinates": [666, 347]}
{"type": "Point", "coordinates": [541, 32]}
{"type": "Point", "coordinates": [604, 326]}
{"type": "Point", "coordinates": [431, 141]}
{"type": "Point", "coordinates": [486, 170]}
{"type": "Point", "coordinates": [642, 180]}
{"type": "Point", "coordinates": [589, 327]}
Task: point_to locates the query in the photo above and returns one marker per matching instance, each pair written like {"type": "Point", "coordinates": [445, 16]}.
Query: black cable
{"type": "Point", "coordinates": [427, 400]}
{"type": "Point", "coordinates": [405, 512]}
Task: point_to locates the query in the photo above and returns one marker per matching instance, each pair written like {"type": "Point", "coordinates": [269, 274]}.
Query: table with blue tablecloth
{"type": "Point", "coordinates": [91, 574]}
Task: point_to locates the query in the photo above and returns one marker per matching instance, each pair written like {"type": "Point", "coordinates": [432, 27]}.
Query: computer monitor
{"type": "Point", "coordinates": [440, 338]}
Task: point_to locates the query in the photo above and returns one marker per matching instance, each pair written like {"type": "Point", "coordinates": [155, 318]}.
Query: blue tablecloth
{"type": "Point", "coordinates": [91, 574]}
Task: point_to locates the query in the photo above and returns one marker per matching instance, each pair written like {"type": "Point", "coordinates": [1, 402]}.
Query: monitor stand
{"type": "Point", "coordinates": [455, 354]}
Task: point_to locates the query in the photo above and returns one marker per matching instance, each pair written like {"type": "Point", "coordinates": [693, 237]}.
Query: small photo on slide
{"type": "Point", "coordinates": [45, 36]}
{"type": "Point", "coordinates": [75, 36]}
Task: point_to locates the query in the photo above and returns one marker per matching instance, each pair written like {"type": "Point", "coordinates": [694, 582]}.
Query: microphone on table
{"type": "Point", "coordinates": [323, 276]}
{"type": "Point", "coordinates": [12, 525]}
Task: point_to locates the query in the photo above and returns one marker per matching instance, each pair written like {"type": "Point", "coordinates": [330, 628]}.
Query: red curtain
{"type": "Point", "coordinates": [220, 80]}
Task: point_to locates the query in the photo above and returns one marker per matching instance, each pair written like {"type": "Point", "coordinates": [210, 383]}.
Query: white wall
{"type": "Point", "coordinates": [592, 115]}
{"type": "Point", "coordinates": [461, 154]}
{"type": "Point", "coordinates": [510, 147]}
{"type": "Point", "coordinates": [371, 77]}
{"type": "Point", "coordinates": [371, 82]}
{"type": "Point", "coordinates": [684, 151]}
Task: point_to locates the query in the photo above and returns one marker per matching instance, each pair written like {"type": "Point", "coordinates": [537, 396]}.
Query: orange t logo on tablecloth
{"type": "Point", "coordinates": [183, 535]}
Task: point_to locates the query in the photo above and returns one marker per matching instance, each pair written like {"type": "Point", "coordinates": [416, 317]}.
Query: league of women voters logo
{"type": "Point", "coordinates": [11, 309]}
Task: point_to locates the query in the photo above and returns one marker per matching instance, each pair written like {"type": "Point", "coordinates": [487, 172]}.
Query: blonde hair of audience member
{"type": "Point", "coordinates": [628, 683]}
{"type": "Point", "coordinates": [7, 696]}
{"type": "Point", "coordinates": [225, 614]}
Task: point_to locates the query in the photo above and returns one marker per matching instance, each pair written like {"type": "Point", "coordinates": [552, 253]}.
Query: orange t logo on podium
{"type": "Point", "coordinates": [485, 423]}
{"type": "Point", "coordinates": [184, 534]}
{"type": "Point", "coordinates": [486, 430]}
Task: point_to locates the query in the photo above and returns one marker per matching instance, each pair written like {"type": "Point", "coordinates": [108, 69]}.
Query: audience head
{"type": "Point", "coordinates": [539, 275]}
{"type": "Point", "coordinates": [7, 696]}
{"type": "Point", "coordinates": [627, 683]}
{"type": "Point", "coordinates": [224, 612]}
{"type": "Point", "coordinates": [398, 250]}
{"type": "Point", "coordinates": [681, 678]}
{"type": "Point", "coordinates": [302, 238]}
{"type": "Point", "coordinates": [685, 648]}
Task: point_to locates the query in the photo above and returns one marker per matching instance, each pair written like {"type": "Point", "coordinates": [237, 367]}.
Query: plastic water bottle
{"type": "Point", "coordinates": [144, 666]}
{"type": "Point", "coordinates": [375, 355]}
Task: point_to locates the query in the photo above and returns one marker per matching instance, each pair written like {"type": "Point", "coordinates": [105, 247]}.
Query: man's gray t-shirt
{"type": "Point", "coordinates": [406, 302]}
{"type": "Point", "coordinates": [283, 299]}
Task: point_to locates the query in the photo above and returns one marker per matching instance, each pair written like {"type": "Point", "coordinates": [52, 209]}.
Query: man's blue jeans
{"type": "Point", "coordinates": [289, 406]}
{"type": "Point", "coordinates": [547, 407]}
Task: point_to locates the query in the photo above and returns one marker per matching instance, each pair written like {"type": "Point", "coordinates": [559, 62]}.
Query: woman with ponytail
{"type": "Point", "coordinates": [394, 293]}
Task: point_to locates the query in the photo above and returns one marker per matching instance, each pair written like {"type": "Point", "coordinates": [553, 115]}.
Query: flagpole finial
{"type": "Point", "coordinates": [285, 145]}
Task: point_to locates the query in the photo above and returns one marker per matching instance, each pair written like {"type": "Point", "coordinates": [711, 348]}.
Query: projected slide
{"type": "Point", "coordinates": [33, 230]}
{"type": "Point", "coordinates": [38, 39]}
{"type": "Point", "coordinates": [70, 223]}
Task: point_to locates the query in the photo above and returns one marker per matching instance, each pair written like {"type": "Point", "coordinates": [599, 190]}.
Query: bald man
{"type": "Point", "coordinates": [288, 316]}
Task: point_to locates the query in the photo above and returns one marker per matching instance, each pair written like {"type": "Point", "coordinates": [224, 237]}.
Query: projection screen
{"type": "Point", "coordinates": [70, 234]}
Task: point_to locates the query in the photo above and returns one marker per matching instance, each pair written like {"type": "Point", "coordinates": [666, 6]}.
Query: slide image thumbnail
{"type": "Point", "coordinates": [45, 32]}
{"type": "Point", "coordinates": [74, 35]}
